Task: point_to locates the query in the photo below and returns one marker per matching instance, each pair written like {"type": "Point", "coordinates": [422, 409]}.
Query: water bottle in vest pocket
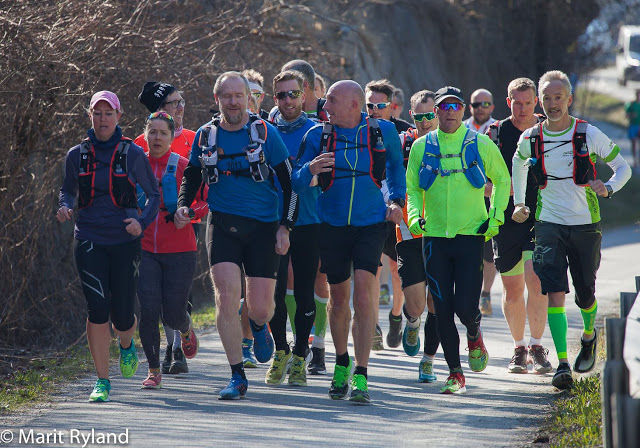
{"type": "Point", "coordinates": [210, 163]}
{"type": "Point", "coordinates": [257, 164]}
{"type": "Point", "coordinates": [169, 185]}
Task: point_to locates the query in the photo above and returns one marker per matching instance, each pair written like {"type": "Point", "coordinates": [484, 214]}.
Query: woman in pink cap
{"type": "Point", "coordinates": [102, 172]}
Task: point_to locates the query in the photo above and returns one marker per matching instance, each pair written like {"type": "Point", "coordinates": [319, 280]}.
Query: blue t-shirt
{"type": "Point", "coordinates": [352, 199]}
{"type": "Point", "coordinates": [240, 194]}
{"type": "Point", "coordinates": [308, 198]}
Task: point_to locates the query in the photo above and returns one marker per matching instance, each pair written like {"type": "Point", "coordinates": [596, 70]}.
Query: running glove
{"type": "Point", "coordinates": [418, 227]}
{"type": "Point", "coordinates": [489, 228]}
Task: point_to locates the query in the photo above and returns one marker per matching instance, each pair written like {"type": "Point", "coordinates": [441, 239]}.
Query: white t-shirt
{"type": "Point", "coordinates": [562, 201]}
{"type": "Point", "coordinates": [480, 129]}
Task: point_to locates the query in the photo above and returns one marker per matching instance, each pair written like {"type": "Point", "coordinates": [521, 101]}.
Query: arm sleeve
{"type": "Point", "coordinates": [192, 179]}
{"type": "Point", "coordinates": [396, 181]}
{"type": "Point", "coordinates": [301, 175]}
{"type": "Point", "coordinates": [498, 172]}
{"type": "Point", "coordinates": [415, 198]}
{"type": "Point", "coordinates": [601, 145]}
{"type": "Point", "coordinates": [146, 179]}
{"type": "Point", "coordinates": [290, 202]}
{"type": "Point", "coordinates": [519, 169]}
{"type": "Point", "coordinates": [69, 189]}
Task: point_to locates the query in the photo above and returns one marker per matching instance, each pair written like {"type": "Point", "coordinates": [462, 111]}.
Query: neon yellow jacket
{"type": "Point", "coordinates": [452, 206]}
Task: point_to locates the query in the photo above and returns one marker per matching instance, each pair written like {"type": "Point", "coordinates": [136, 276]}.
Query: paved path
{"type": "Point", "coordinates": [498, 409]}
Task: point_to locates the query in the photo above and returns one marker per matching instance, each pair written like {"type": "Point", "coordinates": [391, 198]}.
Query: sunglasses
{"type": "Point", "coordinates": [421, 117]}
{"type": "Point", "coordinates": [161, 114]}
{"type": "Point", "coordinates": [293, 94]}
{"type": "Point", "coordinates": [450, 106]}
{"type": "Point", "coordinates": [175, 103]}
{"type": "Point", "coordinates": [481, 103]}
{"type": "Point", "coordinates": [257, 95]}
{"type": "Point", "coordinates": [377, 105]}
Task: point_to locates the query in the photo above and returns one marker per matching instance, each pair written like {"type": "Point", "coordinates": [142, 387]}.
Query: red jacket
{"type": "Point", "coordinates": [162, 236]}
{"type": "Point", "coordinates": [181, 144]}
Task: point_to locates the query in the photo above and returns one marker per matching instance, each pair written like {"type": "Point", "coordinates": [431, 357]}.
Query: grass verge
{"type": "Point", "coordinates": [35, 379]}
{"type": "Point", "coordinates": [623, 208]}
{"type": "Point", "coordinates": [600, 107]}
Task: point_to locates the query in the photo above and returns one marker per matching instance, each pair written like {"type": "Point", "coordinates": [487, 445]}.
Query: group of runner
{"type": "Point", "coordinates": [302, 202]}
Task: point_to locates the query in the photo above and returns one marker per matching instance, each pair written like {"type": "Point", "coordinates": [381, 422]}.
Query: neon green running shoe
{"type": "Point", "coordinates": [101, 391]}
{"type": "Point", "coordinates": [278, 369]}
{"type": "Point", "coordinates": [128, 360]}
{"type": "Point", "coordinates": [298, 371]}
{"type": "Point", "coordinates": [478, 355]}
{"type": "Point", "coordinates": [359, 390]}
{"type": "Point", "coordinates": [455, 384]}
{"type": "Point", "coordinates": [340, 382]}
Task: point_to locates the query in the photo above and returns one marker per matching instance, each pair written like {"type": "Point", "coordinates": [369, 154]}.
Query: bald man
{"type": "Point", "coordinates": [348, 158]}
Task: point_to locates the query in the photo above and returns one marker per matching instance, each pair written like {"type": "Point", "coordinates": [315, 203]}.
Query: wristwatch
{"type": "Point", "coordinates": [609, 190]}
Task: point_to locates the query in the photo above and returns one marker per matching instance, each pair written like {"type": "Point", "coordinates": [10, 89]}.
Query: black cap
{"type": "Point", "coordinates": [154, 93]}
{"type": "Point", "coordinates": [448, 92]}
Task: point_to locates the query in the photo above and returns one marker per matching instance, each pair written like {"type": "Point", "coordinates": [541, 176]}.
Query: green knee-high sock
{"type": "Point", "coordinates": [290, 302]}
{"type": "Point", "coordinates": [559, 326]}
{"type": "Point", "coordinates": [321, 317]}
{"type": "Point", "coordinates": [589, 317]}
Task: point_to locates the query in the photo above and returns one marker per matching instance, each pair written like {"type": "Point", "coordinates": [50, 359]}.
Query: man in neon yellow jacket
{"type": "Point", "coordinates": [450, 167]}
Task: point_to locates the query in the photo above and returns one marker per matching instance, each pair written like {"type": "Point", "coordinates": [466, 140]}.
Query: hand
{"type": "Point", "coordinates": [181, 217]}
{"type": "Point", "coordinates": [520, 213]}
{"type": "Point", "coordinates": [599, 188]}
{"type": "Point", "coordinates": [488, 188]}
{"type": "Point", "coordinates": [492, 230]}
{"type": "Point", "coordinates": [419, 227]}
{"type": "Point", "coordinates": [64, 214]}
{"type": "Point", "coordinates": [282, 240]}
{"type": "Point", "coordinates": [322, 164]}
{"type": "Point", "coordinates": [394, 213]}
{"type": "Point", "coordinates": [133, 226]}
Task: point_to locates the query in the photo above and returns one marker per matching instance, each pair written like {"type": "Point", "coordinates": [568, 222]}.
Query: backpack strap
{"type": "Point", "coordinates": [86, 156]}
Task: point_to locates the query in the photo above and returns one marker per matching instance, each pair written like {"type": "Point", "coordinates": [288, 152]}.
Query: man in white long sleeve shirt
{"type": "Point", "coordinates": [561, 152]}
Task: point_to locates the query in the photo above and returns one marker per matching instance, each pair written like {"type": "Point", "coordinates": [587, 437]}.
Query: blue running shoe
{"type": "Point", "coordinates": [235, 390]}
{"type": "Point", "coordinates": [263, 345]}
{"type": "Point", "coordinates": [411, 339]}
{"type": "Point", "coordinates": [425, 371]}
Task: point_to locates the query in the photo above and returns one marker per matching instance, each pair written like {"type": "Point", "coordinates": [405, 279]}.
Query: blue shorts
{"type": "Point", "coordinates": [633, 132]}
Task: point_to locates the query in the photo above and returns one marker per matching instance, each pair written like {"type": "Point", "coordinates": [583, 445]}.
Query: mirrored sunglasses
{"type": "Point", "coordinates": [378, 105]}
{"type": "Point", "coordinates": [425, 116]}
{"type": "Point", "coordinates": [289, 93]}
{"type": "Point", "coordinates": [450, 106]}
{"type": "Point", "coordinates": [481, 103]}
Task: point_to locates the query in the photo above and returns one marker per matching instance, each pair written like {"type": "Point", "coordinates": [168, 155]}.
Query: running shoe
{"type": "Point", "coordinates": [262, 343]}
{"type": "Point", "coordinates": [128, 360]}
{"type": "Point", "coordinates": [340, 382]}
{"type": "Point", "coordinates": [518, 363]}
{"type": "Point", "coordinates": [168, 359]}
{"type": "Point", "coordinates": [478, 355]}
{"type": "Point", "coordinates": [298, 371]}
{"type": "Point", "coordinates": [376, 343]}
{"type": "Point", "coordinates": [384, 295]}
{"type": "Point", "coordinates": [236, 389]}
{"type": "Point", "coordinates": [563, 379]}
{"type": "Point", "coordinates": [179, 364]}
{"type": "Point", "coordinates": [394, 336]}
{"type": "Point", "coordinates": [359, 390]}
{"type": "Point", "coordinates": [189, 343]}
{"type": "Point", "coordinates": [100, 391]}
{"type": "Point", "coordinates": [485, 306]}
{"type": "Point", "coordinates": [587, 357]}
{"type": "Point", "coordinates": [425, 371]}
{"type": "Point", "coordinates": [153, 381]}
{"type": "Point", "coordinates": [455, 384]}
{"type": "Point", "coordinates": [279, 366]}
{"type": "Point", "coordinates": [316, 366]}
{"type": "Point", "coordinates": [248, 360]}
{"type": "Point", "coordinates": [538, 355]}
{"type": "Point", "coordinates": [411, 339]}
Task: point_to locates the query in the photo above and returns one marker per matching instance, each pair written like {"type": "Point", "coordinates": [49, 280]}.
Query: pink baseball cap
{"type": "Point", "coordinates": [104, 95]}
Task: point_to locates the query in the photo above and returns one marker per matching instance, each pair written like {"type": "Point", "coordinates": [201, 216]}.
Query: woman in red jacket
{"type": "Point", "coordinates": [168, 252]}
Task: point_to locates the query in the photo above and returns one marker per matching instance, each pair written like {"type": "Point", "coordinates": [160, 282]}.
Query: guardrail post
{"type": "Point", "coordinates": [614, 329]}
{"type": "Point", "coordinates": [637, 283]}
{"type": "Point", "coordinates": [632, 419]}
{"type": "Point", "coordinates": [626, 302]}
{"type": "Point", "coordinates": [615, 381]}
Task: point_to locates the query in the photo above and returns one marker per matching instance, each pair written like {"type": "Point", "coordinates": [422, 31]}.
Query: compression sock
{"type": "Point", "coordinates": [290, 302]}
{"type": "Point", "coordinates": [558, 326]}
{"type": "Point", "coordinates": [320, 321]}
{"type": "Point", "coordinates": [589, 318]}
{"type": "Point", "coordinates": [431, 336]}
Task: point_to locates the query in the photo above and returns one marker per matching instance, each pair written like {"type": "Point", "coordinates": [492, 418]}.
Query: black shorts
{"type": "Point", "coordinates": [508, 245]}
{"type": "Point", "coordinates": [342, 247]}
{"type": "Point", "coordinates": [389, 248]}
{"type": "Point", "coordinates": [411, 262]}
{"type": "Point", "coordinates": [487, 252]}
{"type": "Point", "coordinates": [247, 242]}
{"type": "Point", "coordinates": [109, 277]}
{"type": "Point", "coordinates": [578, 247]}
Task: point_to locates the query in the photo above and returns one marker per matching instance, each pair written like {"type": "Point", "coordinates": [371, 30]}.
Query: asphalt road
{"type": "Point", "coordinates": [498, 410]}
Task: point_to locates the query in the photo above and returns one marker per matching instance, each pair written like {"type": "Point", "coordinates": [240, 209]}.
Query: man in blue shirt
{"type": "Point", "coordinates": [238, 154]}
{"type": "Point", "coordinates": [348, 158]}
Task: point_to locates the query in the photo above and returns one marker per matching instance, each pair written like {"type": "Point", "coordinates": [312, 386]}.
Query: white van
{"type": "Point", "coordinates": [628, 54]}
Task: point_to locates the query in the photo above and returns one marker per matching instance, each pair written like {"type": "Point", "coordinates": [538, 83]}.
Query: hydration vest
{"type": "Point", "coordinates": [168, 185]}
{"type": "Point", "coordinates": [377, 154]}
{"type": "Point", "coordinates": [584, 169]}
{"type": "Point", "coordinates": [121, 189]}
{"type": "Point", "coordinates": [494, 129]}
{"type": "Point", "coordinates": [407, 138]}
{"type": "Point", "coordinates": [472, 166]}
{"type": "Point", "coordinates": [258, 169]}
